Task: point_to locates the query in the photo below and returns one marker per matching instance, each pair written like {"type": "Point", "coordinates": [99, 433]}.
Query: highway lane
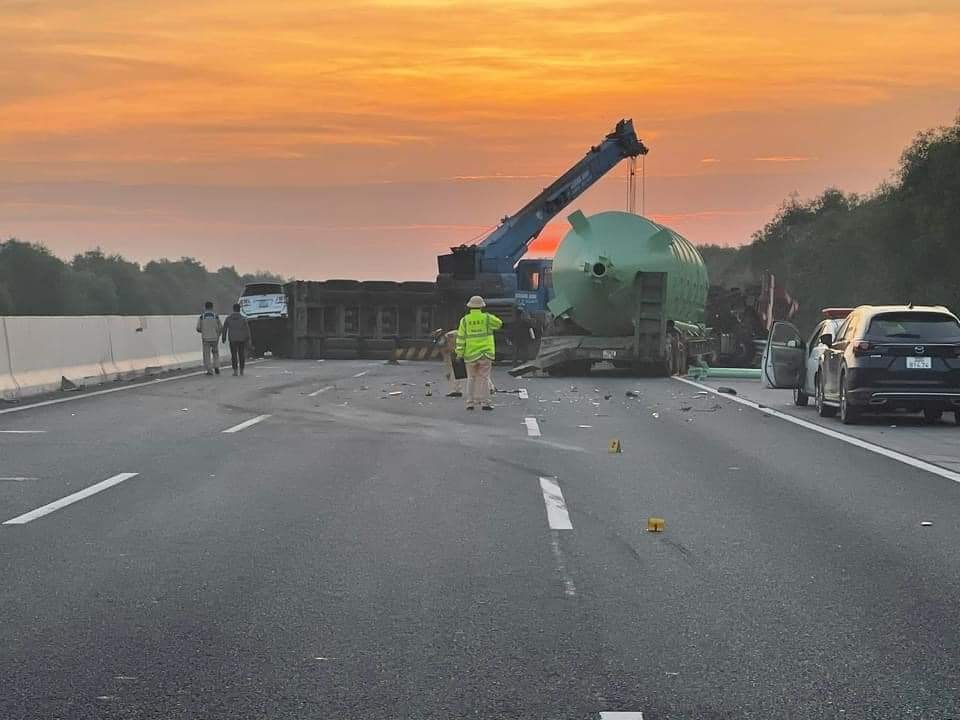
{"type": "Point", "coordinates": [362, 554]}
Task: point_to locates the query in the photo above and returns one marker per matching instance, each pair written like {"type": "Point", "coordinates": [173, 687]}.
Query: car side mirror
{"type": "Point", "coordinates": [826, 339]}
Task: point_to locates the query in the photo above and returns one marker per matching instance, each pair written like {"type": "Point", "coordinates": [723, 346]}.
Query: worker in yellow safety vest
{"type": "Point", "coordinates": [476, 346]}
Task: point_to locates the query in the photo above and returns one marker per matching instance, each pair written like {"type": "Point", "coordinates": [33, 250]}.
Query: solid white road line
{"type": "Point", "coordinates": [70, 499]}
{"type": "Point", "coordinates": [557, 515]}
{"type": "Point", "coordinates": [22, 432]}
{"type": "Point", "coordinates": [17, 479]}
{"type": "Point", "coordinates": [247, 423]}
{"type": "Point", "coordinates": [569, 589]}
{"type": "Point", "coordinates": [361, 373]}
{"type": "Point", "coordinates": [621, 716]}
{"type": "Point", "coordinates": [533, 427]}
{"type": "Point", "coordinates": [523, 394]}
{"type": "Point", "coordinates": [321, 390]}
{"type": "Point", "coordinates": [95, 393]}
{"type": "Point", "coordinates": [836, 435]}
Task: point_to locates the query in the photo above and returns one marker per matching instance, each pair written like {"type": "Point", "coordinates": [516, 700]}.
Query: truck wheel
{"type": "Point", "coordinates": [931, 416]}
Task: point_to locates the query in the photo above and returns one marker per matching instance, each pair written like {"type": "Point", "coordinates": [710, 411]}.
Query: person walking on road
{"type": "Point", "coordinates": [475, 345]}
{"type": "Point", "coordinates": [237, 327]}
{"type": "Point", "coordinates": [209, 328]}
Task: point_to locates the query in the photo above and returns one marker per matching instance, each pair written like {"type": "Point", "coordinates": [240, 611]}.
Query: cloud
{"type": "Point", "coordinates": [783, 158]}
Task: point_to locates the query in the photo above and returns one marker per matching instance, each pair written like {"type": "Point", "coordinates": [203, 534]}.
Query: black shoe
{"type": "Point", "coordinates": [487, 407]}
{"type": "Point", "coordinates": [454, 394]}
{"type": "Point", "coordinates": [470, 407]}
{"type": "Point", "coordinates": [217, 370]}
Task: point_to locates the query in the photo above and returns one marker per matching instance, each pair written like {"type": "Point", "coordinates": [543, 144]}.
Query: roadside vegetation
{"type": "Point", "coordinates": [33, 281]}
{"type": "Point", "coordinates": [899, 244]}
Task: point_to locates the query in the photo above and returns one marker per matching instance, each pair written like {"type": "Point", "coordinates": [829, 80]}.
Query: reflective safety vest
{"type": "Point", "coordinates": [475, 335]}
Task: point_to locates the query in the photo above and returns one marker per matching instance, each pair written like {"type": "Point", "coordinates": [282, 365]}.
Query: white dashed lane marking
{"type": "Point", "coordinates": [247, 423]}
{"type": "Point", "coordinates": [621, 716]}
{"type": "Point", "coordinates": [557, 515]}
{"type": "Point", "coordinates": [533, 427]}
{"type": "Point", "coordinates": [321, 390]}
{"type": "Point", "coordinates": [70, 499]}
{"type": "Point", "coordinates": [361, 373]}
{"type": "Point", "coordinates": [22, 432]}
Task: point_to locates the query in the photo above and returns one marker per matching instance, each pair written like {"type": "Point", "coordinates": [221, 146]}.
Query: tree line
{"type": "Point", "coordinates": [898, 244]}
{"type": "Point", "coordinates": [33, 281]}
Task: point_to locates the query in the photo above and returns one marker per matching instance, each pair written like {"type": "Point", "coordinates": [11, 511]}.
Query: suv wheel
{"type": "Point", "coordinates": [823, 410]}
{"type": "Point", "coordinates": [932, 416]}
{"type": "Point", "coordinates": [848, 413]}
{"type": "Point", "coordinates": [800, 398]}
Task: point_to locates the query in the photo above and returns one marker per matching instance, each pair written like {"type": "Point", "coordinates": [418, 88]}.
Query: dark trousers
{"type": "Point", "coordinates": [238, 355]}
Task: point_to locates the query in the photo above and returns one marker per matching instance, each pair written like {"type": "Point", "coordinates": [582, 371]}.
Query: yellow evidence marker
{"type": "Point", "coordinates": [655, 524]}
{"type": "Point", "coordinates": [614, 446]}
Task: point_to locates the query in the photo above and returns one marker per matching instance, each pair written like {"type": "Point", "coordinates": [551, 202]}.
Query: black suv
{"type": "Point", "coordinates": [891, 357]}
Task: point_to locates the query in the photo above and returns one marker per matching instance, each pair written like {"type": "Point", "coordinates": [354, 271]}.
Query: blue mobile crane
{"type": "Point", "coordinates": [493, 267]}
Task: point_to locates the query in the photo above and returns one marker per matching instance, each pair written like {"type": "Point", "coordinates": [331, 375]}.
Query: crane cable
{"type": "Point", "coordinates": [643, 185]}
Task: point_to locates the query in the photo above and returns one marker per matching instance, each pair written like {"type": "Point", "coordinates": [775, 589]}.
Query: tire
{"type": "Point", "coordinates": [848, 414]}
{"type": "Point", "coordinates": [956, 417]}
{"type": "Point", "coordinates": [823, 410]}
{"type": "Point", "coordinates": [800, 398]}
{"type": "Point", "coordinates": [931, 416]}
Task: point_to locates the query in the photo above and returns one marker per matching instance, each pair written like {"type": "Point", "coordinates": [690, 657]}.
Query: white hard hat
{"type": "Point", "coordinates": [476, 302]}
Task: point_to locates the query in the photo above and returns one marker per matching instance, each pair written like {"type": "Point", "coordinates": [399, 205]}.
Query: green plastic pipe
{"type": "Point", "coordinates": [734, 373]}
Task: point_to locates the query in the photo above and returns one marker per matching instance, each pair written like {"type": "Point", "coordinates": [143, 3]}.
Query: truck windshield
{"type": "Point", "coordinates": [915, 326]}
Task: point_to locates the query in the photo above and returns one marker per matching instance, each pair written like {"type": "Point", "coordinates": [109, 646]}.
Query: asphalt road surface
{"type": "Point", "coordinates": [346, 552]}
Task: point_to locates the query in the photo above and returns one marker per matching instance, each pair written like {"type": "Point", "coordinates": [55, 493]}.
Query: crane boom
{"type": "Point", "coordinates": [503, 247]}
{"type": "Point", "coordinates": [495, 267]}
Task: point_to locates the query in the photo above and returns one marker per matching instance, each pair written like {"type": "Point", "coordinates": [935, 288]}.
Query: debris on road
{"type": "Point", "coordinates": [632, 394]}
{"type": "Point", "coordinates": [726, 390]}
{"type": "Point", "coordinates": [655, 415]}
{"type": "Point", "coordinates": [584, 426]}
{"type": "Point", "coordinates": [926, 523]}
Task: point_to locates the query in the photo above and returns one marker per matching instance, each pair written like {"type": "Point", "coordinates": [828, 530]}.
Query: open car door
{"type": "Point", "coordinates": [784, 356]}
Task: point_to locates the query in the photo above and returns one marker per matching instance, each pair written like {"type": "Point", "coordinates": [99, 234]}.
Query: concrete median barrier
{"type": "Point", "coordinates": [47, 353]}
{"type": "Point", "coordinates": [186, 341]}
{"type": "Point", "coordinates": [8, 386]}
{"type": "Point", "coordinates": [44, 354]}
{"type": "Point", "coordinates": [139, 344]}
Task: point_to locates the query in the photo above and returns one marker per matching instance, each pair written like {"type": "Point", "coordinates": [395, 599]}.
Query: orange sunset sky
{"type": "Point", "coordinates": [358, 139]}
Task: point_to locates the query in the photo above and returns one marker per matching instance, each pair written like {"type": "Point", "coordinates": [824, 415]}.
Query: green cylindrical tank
{"type": "Point", "coordinates": [596, 267]}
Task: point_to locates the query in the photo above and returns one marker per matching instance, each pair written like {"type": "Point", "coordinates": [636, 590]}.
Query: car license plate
{"type": "Point", "coordinates": [918, 363]}
{"type": "Point", "coordinates": [609, 354]}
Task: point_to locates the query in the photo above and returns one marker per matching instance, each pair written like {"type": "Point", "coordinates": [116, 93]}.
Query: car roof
{"type": "Point", "coordinates": [874, 310]}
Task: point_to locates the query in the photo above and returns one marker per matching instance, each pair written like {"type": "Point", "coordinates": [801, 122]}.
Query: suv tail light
{"type": "Point", "coordinates": [862, 347]}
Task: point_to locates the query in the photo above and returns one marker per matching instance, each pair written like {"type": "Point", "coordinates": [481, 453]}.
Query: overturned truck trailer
{"type": "Point", "coordinates": [346, 319]}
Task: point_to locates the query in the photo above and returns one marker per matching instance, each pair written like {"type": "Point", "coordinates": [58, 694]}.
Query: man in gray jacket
{"type": "Point", "coordinates": [237, 327]}
{"type": "Point", "coordinates": [209, 328]}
